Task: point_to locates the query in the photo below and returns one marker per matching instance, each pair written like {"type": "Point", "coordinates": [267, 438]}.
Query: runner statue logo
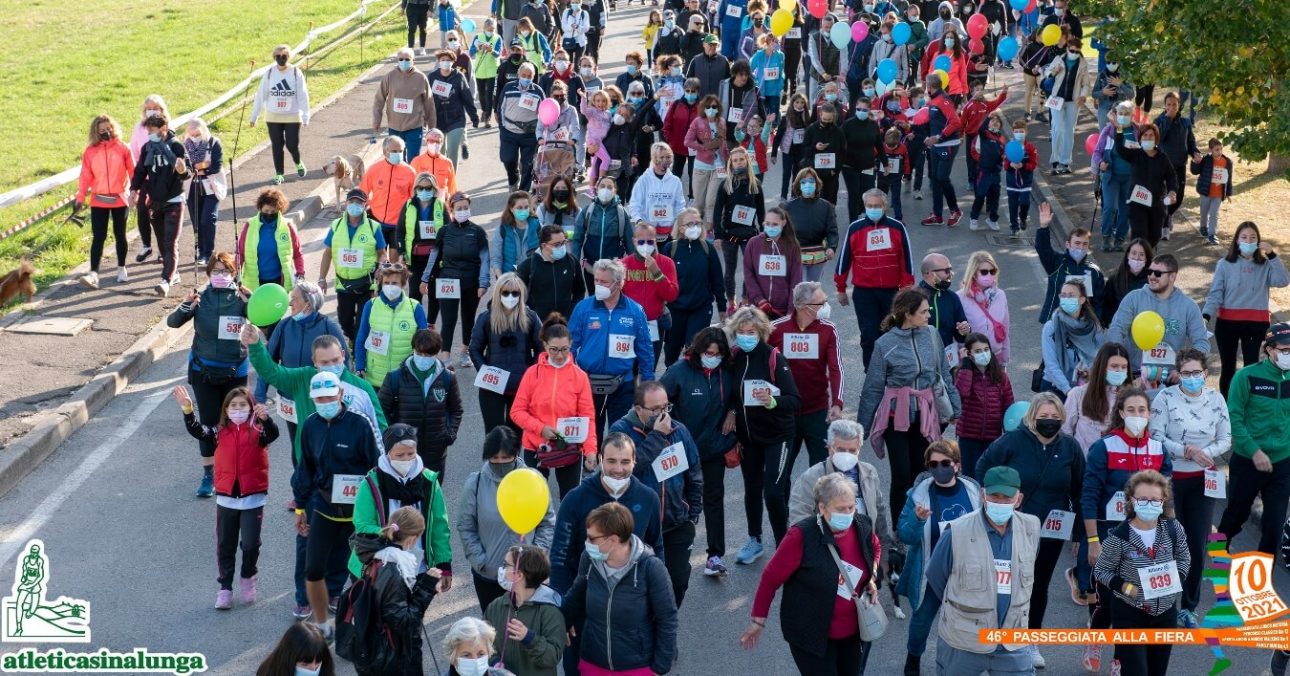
{"type": "Point", "coordinates": [28, 617]}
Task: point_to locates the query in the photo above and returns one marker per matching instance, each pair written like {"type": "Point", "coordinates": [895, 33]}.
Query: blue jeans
{"type": "Point", "coordinates": [1116, 189]}
{"type": "Point", "coordinates": [412, 138]}
{"type": "Point", "coordinates": [920, 626]}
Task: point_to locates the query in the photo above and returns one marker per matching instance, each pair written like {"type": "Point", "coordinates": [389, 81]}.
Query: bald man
{"type": "Point", "coordinates": [947, 308]}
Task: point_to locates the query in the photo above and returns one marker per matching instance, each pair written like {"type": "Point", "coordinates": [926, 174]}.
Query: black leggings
{"type": "Point", "coordinates": [1050, 551]}
{"type": "Point", "coordinates": [487, 97]}
{"type": "Point", "coordinates": [714, 503]}
{"type": "Point", "coordinates": [232, 525]}
{"type": "Point", "coordinates": [99, 226]}
{"type": "Point", "coordinates": [1148, 660]}
{"type": "Point", "coordinates": [496, 409]}
{"type": "Point", "coordinates": [1148, 222]}
{"type": "Point", "coordinates": [566, 478]}
{"type": "Point", "coordinates": [842, 657]}
{"type": "Point", "coordinates": [766, 477]}
{"type": "Point", "coordinates": [417, 18]}
{"type": "Point", "coordinates": [280, 134]}
{"type": "Point", "coordinates": [1142, 96]}
{"type": "Point", "coordinates": [1230, 334]}
{"type": "Point", "coordinates": [905, 455]}
{"type": "Point", "coordinates": [210, 402]}
{"type": "Point", "coordinates": [142, 221]}
{"type": "Point", "coordinates": [348, 307]}
{"type": "Point", "coordinates": [468, 304]}
{"type": "Point", "coordinates": [325, 536]}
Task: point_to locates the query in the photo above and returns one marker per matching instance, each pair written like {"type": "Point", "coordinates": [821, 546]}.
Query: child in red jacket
{"type": "Point", "coordinates": [973, 116]}
{"type": "Point", "coordinates": [1018, 179]}
{"type": "Point", "coordinates": [755, 143]}
{"type": "Point", "coordinates": [241, 484]}
{"type": "Point", "coordinates": [896, 159]}
{"type": "Point", "coordinates": [986, 394]}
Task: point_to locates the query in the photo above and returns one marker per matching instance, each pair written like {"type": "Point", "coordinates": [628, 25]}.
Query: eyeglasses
{"type": "Point", "coordinates": [666, 408]}
{"type": "Point", "coordinates": [1159, 273]}
{"type": "Point", "coordinates": [1191, 374]}
{"type": "Point", "coordinates": [392, 267]}
{"type": "Point", "coordinates": [947, 463]}
{"type": "Point", "coordinates": [1284, 350]}
{"type": "Point", "coordinates": [1153, 503]}
{"type": "Point", "coordinates": [558, 350]}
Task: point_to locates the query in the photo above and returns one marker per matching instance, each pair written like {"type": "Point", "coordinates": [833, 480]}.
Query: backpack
{"type": "Point", "coordinates": [362, 637]}
{"type": "Point", "coordinates": [585, 217]}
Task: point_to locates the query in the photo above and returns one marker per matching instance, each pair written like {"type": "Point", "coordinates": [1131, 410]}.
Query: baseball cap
{"type": "Point", "coordinates": [324, 384]}
{"type": "Point", "coordinates": [1002, 480]}
{"type": "Point", "coordinates": [398, 433]}
{"type": "Point", "coordinates": [515, 42]}
{"type": "Point", "coordinates": [1278, 334]}
{"type": "Point", "coordinates": [711, 39]}
{"type": "Point", "coordinates": [356, 194]}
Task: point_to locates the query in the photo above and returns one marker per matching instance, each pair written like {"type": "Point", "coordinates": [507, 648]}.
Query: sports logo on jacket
{"type": "Point", "coordinates": [439, 394]}
{"type": "Point", "coordinates": [404, 325]}
{"type": "Point", "coordinates": [29, 616]}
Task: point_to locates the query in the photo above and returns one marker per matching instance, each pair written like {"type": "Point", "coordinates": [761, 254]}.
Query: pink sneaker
{"type": "Point", "coordinates": [248, 590]}
{"type": "Point", "coordinates": [224, 599]}
{"type": "Point", "coordinates": [1092, 658]}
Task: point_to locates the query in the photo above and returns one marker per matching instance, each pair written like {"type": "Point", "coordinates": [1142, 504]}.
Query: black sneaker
{"type": "Point", "coordinates": [143, 255]}
{"type": "Point", "coordinates": [1277, 667]}
{"type": "Point", "coordinates": [465, 151]}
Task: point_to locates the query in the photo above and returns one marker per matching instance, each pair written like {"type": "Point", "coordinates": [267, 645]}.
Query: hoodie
{"type": "Point", "coordinates": [484, 536]}
{"type": "Point", "coordinates": [570, 538]}
{"type": "Point", "coordinates": [1184, 327]}
{"type": "Point", "coordinates": [402, 606]}
{"type": "Point", "coordinates": [420, 489]}
{"type": "Point", "coordinates": [538, 653]}
{"type": "Point", "coordinates": [681, 496]}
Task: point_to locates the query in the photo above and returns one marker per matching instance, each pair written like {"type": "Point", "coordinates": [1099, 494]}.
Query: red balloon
{"type": "Point", "coordinates": [977, 26]}
{"type": "Point", "coordinates": [1090, 144]}
{"type": "Point", "coordinates": [1031, 7]}
{"type": "Point", "coordinates": [975, 45]}
{"type": "Point", "coordinates": [817, 8]}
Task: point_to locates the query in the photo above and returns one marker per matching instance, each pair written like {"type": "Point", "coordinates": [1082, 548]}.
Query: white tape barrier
{"type": "Point", "coordinates": [63, 178]}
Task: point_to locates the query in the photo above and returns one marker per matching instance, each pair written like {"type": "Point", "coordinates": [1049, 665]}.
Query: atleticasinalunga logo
{"type": "Point", "coordinates": [29, 617]}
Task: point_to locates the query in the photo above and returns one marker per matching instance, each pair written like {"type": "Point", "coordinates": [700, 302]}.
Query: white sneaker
{"type": "Point", "coordinates": [90, 280]}
{"type": "Point", "coordinates": [1036, 660]}
{"type": "Point", "coordinates": [993, 225]}
{"type": "Point", "coordinates": [163, 289]}
{"type": "Point", "coordinates": [174, 279]}
{"type": "Point", "coordinates": [122, 276]}
{"type": "Point", "coordinates": [974, 225]}
{"type": "Point", "coordinates": [1164, 234]}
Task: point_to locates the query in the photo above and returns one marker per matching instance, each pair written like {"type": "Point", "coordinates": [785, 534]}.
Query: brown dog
{"type": "Point", "coordinates": [346, 172]}
{"type": "Point", "coordinates": [17, 283]}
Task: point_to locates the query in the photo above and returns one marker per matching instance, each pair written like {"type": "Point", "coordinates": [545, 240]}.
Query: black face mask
{"type": "Point", "coordinates": [943, 475]}
{"type": "Point", "coordinates": [560, 195]}
{"type": "Point", "coordinates": [559, 99]}
{"type": "Point", "coordinates": [516, 58]}
{"type": "Point", "coordinates": [501, 469]}
{"type": "Point", "coordinates": [268, 216]}
{"type": "Point", "coordinates": [943, 285]}
{"type": "Point", "coordinates": [282, 60]}
{"type": "Point", "coordinates": [1048, 427]}
{"type": "Point", "coordinates": [945, 15]}
{"type": "Point", "coordinates": [105, 136]}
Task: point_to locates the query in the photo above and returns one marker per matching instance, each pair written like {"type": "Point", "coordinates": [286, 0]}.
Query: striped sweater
{"type": "Point", "coordinates": [1125, 557]}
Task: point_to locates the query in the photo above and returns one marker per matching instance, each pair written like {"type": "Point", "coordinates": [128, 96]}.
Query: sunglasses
{"type": "Point", "coordinates": [932, 464]}
{"type": "Point", "coordinates": [510, 294]}
{"type": "Point", "coordinates": [984, 271]}
{"type": "Point", "coordinates": [392, 267]}
{"type": "Point", "coordinates": [1159, 273]}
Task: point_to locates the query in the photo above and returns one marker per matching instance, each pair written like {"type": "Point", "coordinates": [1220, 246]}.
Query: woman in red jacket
{"type": "Point", "coordinates": [676, 123]}
{"type": "Point", "coordinates": [554, 409]}
{"type": "Point", "coordinates": [952, 44]}
{"type": "Point", "coordinates": [986, 393]}
{"type": "Point", "coordinates": [241, 483]}
{"type": "Point", "coordinates": [106, 168]}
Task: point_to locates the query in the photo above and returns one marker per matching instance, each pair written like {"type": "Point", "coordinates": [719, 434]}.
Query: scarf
{"type": "Point", "coordinates": [1078, 334]}
{"type": "Point", "coordinates": [397, 490]}
{"type": "Point", "coordinates": [407, 563]}
{"type": "Point", "coordinates": [983, 298]}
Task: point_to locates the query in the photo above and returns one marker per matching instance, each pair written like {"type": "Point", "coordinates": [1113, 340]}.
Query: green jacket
{"type": "Point", "coordinates": [437, 541]}
{"type": "Point", "coordinates": [294, 384]}
{"type": "Point", "coordinates": [541, 651]}
{"type": "Point", "coordinates": [1259, 403]}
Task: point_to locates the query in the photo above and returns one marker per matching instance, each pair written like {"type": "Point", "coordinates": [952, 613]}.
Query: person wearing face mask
{"type": "Point", "coordinates": [790, 138]}
{"type": "Point", "coordinates": [273, 255]}
{"type": "Point", "coordinates": [1019, 178]}
{"type": "Point", "coordinates": [401, 480]}
{"type": "Point", "coordinates": [575, 23]}
{"type": "Point", "coordinates": [1110, 89]}
{"type": "Point", "coordinates": [809, 341]}
{"type": "Point", "coordinates": [1238, 297]}
{"type": "Point", "coordinates": [772, 265]}
{"type": "Point", "coordinates": [357, 244]}
{"type": "Point", "coordinates": [978, 114]}
{"type": "Point", "coordinates": [422, 218]}
{"type": "Point", "coordinates": [389, 184]}
{"type": "Point", "coordinates": [469, 646]}
{"type": "Point", "coordinates": [207, 187]}
{"type": "Point", "coordinates": [453, 102]}
{"type": "Point", "coordinates": [387, 325]}
{"type": "Point", "coordinates": [106, 168]}
{"type": "Point", "coordinates": [153, 105]}
{"type": "Point", "coordinates": [985, 304]}
{"type": "Point", "coordinates": [875, 257]}
{"type": "Point", "coordinates": [159, 178]}
{"type": "Point", "coordinates": [657, 196]}
{"type": "Point", "coordinates": [1071, 339]}
{"type": "Point", "coordinates": [1003, 541]}
{"type": "Point", "coordinates": [814, 222]}
{"type": "Point", "coordinates": [696, 389]}
{"type": "Point", "coordinates": [1163, 297]}
{"type": "Point", "coordinates": [460, 268]}
{"type": "Point", "coordinates": [699, 282]}
{"type": "Point", "coordinates": [668, 40]}
{"type": "Point", "coordinates": [651, 281]}
{"type": "Point", "coordinates": [819, 623]}
{"type": "Point", "coordinates": [1132, 275]}
{"type": "Point", "coordinates": [404, 100]}
{"type": "Point", "coordinates": [862, 137]}
{"type": "Point", "coordinates": [1071, 85]}
{"type": "Point", "coordinates": [292, 341]}
{"type": "Point", "coordinates": [553, 407]}
{"type": "Point", "coordinates": [987, 151]}
{"type": "Point", "coordinates": [707, 140]}
{"type": "Point", "coordinates": [486, 540]}
{"type": "Point", "coordinates": [680, 114]}
{"type": "Point", "coordinates": [619, 155]}
{"type": "Point", "coordinates": [283, 97]}
{"type": "Point", "coordinates": [1051, 466]}
{"type": "Point", "coordinates": [1155, 183]}
{"type": "Point", "coordinates": [601, 230]}
{"type": "Point", "coordinates": [986, 393]}
{"type": "Point", "coordinates": [1115, 173]}
{"type": "Point", "coordinates": [486, 51]}
{"type": "Point", "coordinates": [529, 612]}
{"type": "Point", "coordinates": [1193, 424]}
{"type": "Point", "coordinates": [1061, 266]}
{"type": "Point", "coordinates": [844, 440]}
{"type": "Point", "coordinates": [1176, 140]}
{"type": "Point", "coordinates": [752, 38]}
{"type": "Point", "coordinates": [302, 651]}
{"type": "Point", "coordinates": [560, 206]}
{"type": "Point", "coordinates": [551, 275]}
{"type": "Point", "coordinates": [741, 98]}
{"type": "Point", "coordinates": [886, 48]}
{"type": "Point", "coordinates": [562, 143]}
{"type": "Point", "coordinates": [532, 37]}
{"type": "Point", "coordinates": [1150, 537]}
{"type": "Point", "coordinates": [423, 393]}
{"type": "Point", "coordinates": [506, 337]}
{"type": "Point", "coordinates": [401, 590]}
{"type": "Point", "coordinates": [942, 142]}
{"type": "Point", "coordinates": [948, 318]}
{"type": "Point", "coordinates": [1063, 18]}
{"type": "Point", "coordinates": [826, 61]}
{"type": "Point", "coordinates": [517, 106]}
{"type": "Point", "coordinates": [1213, 186]}
{"type": "Point", "coordinates": [337, 448]}
{"type": "Point", "coordinates": [944, 21]}
{"type": "Point", "coordinates": [217, 361]}
{"type": "Point", "coordinates": [1259, 464]}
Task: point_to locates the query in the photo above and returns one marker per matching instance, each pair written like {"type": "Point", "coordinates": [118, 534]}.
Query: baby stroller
{"type": "Point", "coordinates": [554, 158]}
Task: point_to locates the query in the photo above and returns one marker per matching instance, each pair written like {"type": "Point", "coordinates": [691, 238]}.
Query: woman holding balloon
{"type": "Point", "coordinates": [948, 58]}
{"type": "Point", "coordinates": [889, 60]}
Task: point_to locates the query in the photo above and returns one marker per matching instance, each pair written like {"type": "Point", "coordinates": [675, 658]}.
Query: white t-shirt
{"type": "Point", "coordinates": [1148, 536]}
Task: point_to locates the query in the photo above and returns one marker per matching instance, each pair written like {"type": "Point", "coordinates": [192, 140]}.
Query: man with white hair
{"type": "Point", "coordinates": [517, 121]}
{"type": "Point", "coordinates": [290, 344]}
{"type": "Point", "coordinates": [389, 185]}
{"type": "Point", "coordinates": [404, 100]}
{"type": "Point", "coordinates": [809, 342]}
{"type": "Point", "coordinates": [845, 438]}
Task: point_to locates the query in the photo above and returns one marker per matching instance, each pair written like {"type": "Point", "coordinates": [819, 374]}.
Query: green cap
{"type": "Point", "coordinates": [1002, 480]}
{"type": "Point", "coordinates": [711, 39]}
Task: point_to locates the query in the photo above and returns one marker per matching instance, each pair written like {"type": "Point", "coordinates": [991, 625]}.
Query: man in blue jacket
{"type": "Point", "coordinates": [731, 15]}
{"type": "Point", "coordinates": [610, 341]}
{"type": "Point", "coordinates": [947, 309]}
{"type": "Point", "coordinates": [669, 464]}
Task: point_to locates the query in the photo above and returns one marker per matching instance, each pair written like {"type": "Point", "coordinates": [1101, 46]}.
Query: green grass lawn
{"type": "Point", "coordinates": [66, 63]}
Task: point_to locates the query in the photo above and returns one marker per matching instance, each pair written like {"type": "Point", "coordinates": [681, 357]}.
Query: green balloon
{"type": "Point", "coordinates": [267, 305]}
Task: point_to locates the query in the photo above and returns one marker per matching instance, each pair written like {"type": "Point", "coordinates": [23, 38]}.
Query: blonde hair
{"type": "Point", "coordinates": [203, 131]}
{"type": "Point", "coordinates": [501, 320]}
{"type": "Point", "coordinates": [404, 522]}
{"type": "Point", "coordinates": [748, 315]}
{"type": "Point", "coordinates": [156, 100]}
{"type": "Point", "coordinates": [600, 94]}
{"type": "Point", "coordinates": [1037, 402]}
{"type": "Point", "coordinates": [974, 264]}
{"type": "Point", "coordinates": [94, 128]}
{"type": "Point", "coordinates": [754, 186]}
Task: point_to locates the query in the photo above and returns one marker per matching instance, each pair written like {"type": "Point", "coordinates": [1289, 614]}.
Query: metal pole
{"type": "Point", "coordinates": [232, 181]}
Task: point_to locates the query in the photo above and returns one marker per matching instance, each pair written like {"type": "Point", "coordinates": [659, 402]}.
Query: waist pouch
{"type": "Point", "coordinates": [603, 385]}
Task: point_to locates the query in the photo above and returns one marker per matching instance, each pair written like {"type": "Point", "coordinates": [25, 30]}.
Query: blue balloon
{"type": "Point", "coordinates": [942, 62]}
{"type": "Point", "coordinates": [1012, 417]}
{"type": "Point", "coordinates": [1020, 5]}
{"type": "Point", "coordinates": [901, 33]}
{"type": "Point", "coordinates": [1007, 48]}
{"type": "Point", "coordinates": [887, 70]}
{"type": "Point", "coordinates": [1015, 151]}
{"type": "Point", "coordinates": [468, 25]}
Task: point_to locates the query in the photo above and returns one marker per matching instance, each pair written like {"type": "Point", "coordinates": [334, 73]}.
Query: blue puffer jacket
{"type": "Point", "coordinates": [571, 524]}
{"type": "Point", "coordinates": [698, 401]}
{"type": "Point", "coordinates": [681, 495]}
{"type": "Point", "coordinates": [291, 344]}
{"type": "Point", "coordinates": [513, 351]}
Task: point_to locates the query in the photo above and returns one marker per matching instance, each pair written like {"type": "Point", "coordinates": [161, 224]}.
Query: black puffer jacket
{"type": "Point", "coordinates": [435, 411]}
{"type": "Point", "coordinates": [402, 608]}
{"type": "Point", "coordinates": [213, 308]}
{"type": "Point", "coordinates": [515, 351]}
{"type": "Point", "coordinates": [554, 286]}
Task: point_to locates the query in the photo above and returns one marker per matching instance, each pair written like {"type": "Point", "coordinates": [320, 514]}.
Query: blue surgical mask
{"type": "Point", "coordinates": [422, 362]}
{"type": "Point", "coordinates": [691, 98]}
{"type": "Point", "coordinates": [1019, 135]}
{"type": "Point", "coordinates": [520, 214]}
{"type": "Point", "coordinates": [746, 342]}
{"type": "Point", "coordinates": [301, 671]}
{"type": "Point", "coordinates": [710, 361]}
{"type": "Point", "coordinates": [839, 522]}
{"type": "Point", "coordinates": [395, 158]}
{"type": "Point", "coordinates": [631, 69]}
{"type": "Point", "coordinates": [155, 138]}
{"type": "Point", "coordinates": [1123, 120]}
{"type": "Point", "coordinates": [334, 369]}
{"type": "Point", "coordinates": [999, 513]}
{"type": "Point", "coordinates": [807, 188]}
{"type": "Point", "coordinates": [405, 66]}
{"type": "Point", "coordinates": [922, 101]}
{"type": "Point", "coordinates": [425, 195]}
{"type": "Point", "coordinates": [559, 252]}
{"type": "Point", "coordinates": [1116, 378]}
{"type": "Point", "coordinates": [868, 92]}
{"type": "Point", "coordinates": [830, 97]}
{"type": "Point", "coordinates": [874, 215]}
{"type": "Point", "coordinates": [526, 81]}
{"type": "Point", "coordinates": [710, 112]}
{"type": "Point", "coordinates": [1069, 305]}
{"type": "Point", "coordinates": [982, 358]}
{"type": "Point", "coordinates": [862, 113]}
{"type": "Point", "coordinates": [594, 553]}
{"type": "Point", "coordinates": [773, 231]}
{"type": "Point", "coordinates": [1146, 511]}
{"type": "Point", "coordinates": [354, 210]}
{"type": "Point", "coordinates": [1193, 384]}
{"type": "Point", "coordinates": [1248, 248]}
{"type": "Point", "coordinates": [329, 410]}
{"type": "Point", "coordinates": [1148, 145]}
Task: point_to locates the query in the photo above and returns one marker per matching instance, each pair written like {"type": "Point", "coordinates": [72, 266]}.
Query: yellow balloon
{"type": "Point", "coordinates": [781, 21]}
{"type": "Point", "coordinates": [945, 77]}
{"type": "Point", "coordinates": [788, 5]}
{"type": "Point", "coordinates": [522, 499]}
{"type": "Point", "coordinates": [1052, 33]}
{"type": "Point", "coordinates": [1148, 330]}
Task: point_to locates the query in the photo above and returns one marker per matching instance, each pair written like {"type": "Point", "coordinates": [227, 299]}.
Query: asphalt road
{"type": "Point", "coordinates": [116, 510]}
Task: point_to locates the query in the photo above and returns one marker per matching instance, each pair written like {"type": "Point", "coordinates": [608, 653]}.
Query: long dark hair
{"type": "Point", "coordinates": [788, 238]}
{"type": "Point", "coordinates": [302, 642]}
{"type": "Point", "coordinates": [1234, 252]}
{"type": "Point", "coordinates": [555, 326]}
{"type": "Point", "coordinates": [1117, 418]}
{"type": "Point", "coordinates": [699, 344]}
{"type": "Point", "coordinates": [1095, 404]}
{"type": "Point", "coordinates": [1123, 277]}
{"type": "Point", "coordinates": [994, 369]}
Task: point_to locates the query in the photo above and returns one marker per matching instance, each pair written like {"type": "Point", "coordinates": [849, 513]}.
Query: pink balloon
{"type": "Point", "coordinates": [975, 45]}
{"type": "Point", "coordinates": [548, 112]}
{"type": "Point", "coordinates": [1090, 144]}
{"type": "Point", "coordinates": [859, 31]}
{"type": "Point", "coordinates": [920, 117]}
{"type": "Point", "coordinates": [977, 26]}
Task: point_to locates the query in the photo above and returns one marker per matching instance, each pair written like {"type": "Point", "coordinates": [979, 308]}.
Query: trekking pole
{"type": "Point", "coordinates": [232, 180]}
{"type": "Point", "coordinates": [430, 647]}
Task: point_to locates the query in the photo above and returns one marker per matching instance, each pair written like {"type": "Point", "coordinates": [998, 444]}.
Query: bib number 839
{"type": "Point", "coordinates": [1163, 581]}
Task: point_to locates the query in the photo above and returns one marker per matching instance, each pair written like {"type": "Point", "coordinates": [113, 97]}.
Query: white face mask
{"type": "Point", "coordinates": [645, 249]}
{"type": "Point", "coordinates": [434, 148]}
{"type": "Point", "coordinates": [605, 195]}
{"type": "Point", "coordinates": [477, 666]}
{"type": "Point", "coordinates": [693, 232]}
{"type": "Point", "coordinates": [461, 215]}
{"type": "Point", "coordinates": [1135, 425]}
{"type": "Point", "coordinates": [403, 466]}
{"type": "Point", "coordinates": [615, 486]}
{"type": "Point", "coordinates": [239, 415]}
{"type": "Point", "coordinates": [510, 302]}
{"type": "Point", "coordinates": [1135, 266]}
{"type": "Point", "coordinates": [824, 312]}
{"type": "Point", "coordinates": [602, 292]}
{"type": "Point", "coordinates": [504, 580]}
{"type": "Point", "coordinates": [845, 461]}
{"type": "Point", "coordinates": [1283, 361]}
{"type": "Point", "coordinates": [391, 291]}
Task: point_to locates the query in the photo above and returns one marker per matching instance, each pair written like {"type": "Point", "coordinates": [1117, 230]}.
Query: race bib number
{"type": "Point", "coordinates": [893, 165]}
{"type": "Point", "coordinates": [1250, 584]}
{"type": "Point", "coordinates": [794, 33]}
{"type": "Point", "coordinates": [853, 576]}
{"type": "Point", "coordinates": [1215, 484]}
{"type": "Point", "coordinates": [1140, 195]}
{"type": "Point", "coordinates": [529, 101]}
{"type": "Point", "coordinates": [826, 160]}
{"type": "Point", "coordinates": [1157, 363]}
{"type": "Point", "coordinates": [660, 213]}
{"type": "Point", "coordinates": [770, 74]}
{"type": "Point", "coordinates": [1054, 103]}
{"type": "Point", "coordinates": [1219, 176]}
{"type": "Point", "coordinates": [1160, 580]}
{"type": "Point", "coordinates": [743, 215]}
{"type": "Point", "coordinates": [561, 135]}
{"type": "Point", "coordinates": [735, 115]}
{"type": "Point", "coordinates": [754, 387]}
{"type": "Point", "coordinates": [670, 462]}
{"type": "Point", "coordinates": [1115, 507]}
{"type": "Point", "coordinates": [286, 409]}
{"type": "Point", "coordinates": [447, 288]}
{"type": "Point", "coordinates": [574, 430]}
{"type": "Point", "coordinates": [734, 11]}
{"type": "Point", "coordinates": [230, 327]}
{"type": "Point", "coordinates": [713, 6]}
{"type": "Point", "coordinates": [1003, 576]}
{"type": "Point", "coordinates": [426, 229]}
{"type": "Point", "coordinates": [770, 265]}
{"type": "Point", "coordinates": [403, 106]}
{"type": "Point", "coordinates": [344, 488]}
{"type": "Point", "coordinates": [441, 89]}
{"type": "Point", "coordinates": [799, 136]}
{"type": "Point", "coordinates": [351, 259]}
{"type": "Point", "coordinates": [622, 346]}
{"type": "Point", "coordinates": [615, 165]}
{"type": "Point", "coordinates": [492, 379]}
{"type": "Point", "coordinates": [378, 342]}
{"type": "Point", "coordinates": [801, 346]}
{"type": "Point", "coordinates": [1058, 525]}
{"type": "Point", "coordinates": [653, 331]}
{"type": "Point", "coordinates": [879, 239]}
{"type": "Point", "coordinates": [281, 105]}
